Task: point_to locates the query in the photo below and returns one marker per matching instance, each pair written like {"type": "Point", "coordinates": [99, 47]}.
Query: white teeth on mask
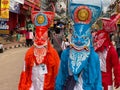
{"type": "Point", "coordinates": [79, 48]}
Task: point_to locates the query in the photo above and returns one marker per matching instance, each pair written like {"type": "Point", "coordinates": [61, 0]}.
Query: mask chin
{"type": "Point", "coordinates": [39, 44]}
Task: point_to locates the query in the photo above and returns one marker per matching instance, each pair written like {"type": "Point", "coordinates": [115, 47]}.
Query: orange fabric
{"type": "Point", "coordinates": [52, 61]}
{"type": "Point", "coordinates": [52, 66]}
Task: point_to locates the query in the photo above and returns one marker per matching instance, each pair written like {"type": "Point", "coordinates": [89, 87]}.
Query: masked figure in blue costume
{"type": "Point", "coordinates": [80, 60]}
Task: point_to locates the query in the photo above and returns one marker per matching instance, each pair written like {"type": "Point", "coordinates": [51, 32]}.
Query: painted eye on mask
{"type": "Point", "coordinates": [84, 37]}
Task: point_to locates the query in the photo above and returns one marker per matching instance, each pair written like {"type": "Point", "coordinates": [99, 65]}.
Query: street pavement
{"type": "Point", "coordinates": [12, 44]}
{"type": "Point", "coordinates": [10, 67]}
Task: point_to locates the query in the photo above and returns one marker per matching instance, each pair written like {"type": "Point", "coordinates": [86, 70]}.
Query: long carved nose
{"type": "Point", "coordinates": [79, 42]}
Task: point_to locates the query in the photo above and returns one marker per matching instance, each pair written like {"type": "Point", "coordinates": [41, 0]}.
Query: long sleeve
{"type": "Point", "coordinates": [115, 64]}
{"type": "Point", "coordinates": [95, 69]}
{"type": "Point", "coordinates": [25, 77]}
{"type": "Point", "coordinates": [22, 79]}
{"type": "Point", "coordinates": [63, 71]}
{"type": "Point", "coordinates": [98, 81]}
{"type": "Point", "coordinates": [23, 85]}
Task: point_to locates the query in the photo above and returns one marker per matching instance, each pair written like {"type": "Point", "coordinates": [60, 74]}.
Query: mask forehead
{"type": "Point", "coordinates": [84, 14]}
{"type": "Point", "coordinates": [90, 12]}
{"type": "Point", "coordinates": [88, 2]}
{"type": "Point", "coordinates": [41, 19]}
{"type": "Point", "coordinates": [81, 30]}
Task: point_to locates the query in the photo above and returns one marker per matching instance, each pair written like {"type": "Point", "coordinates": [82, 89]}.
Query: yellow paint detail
{"type": "Point", "coordinates": [40, 19]}
{"type": "Point", "coordinates": [83, 14]}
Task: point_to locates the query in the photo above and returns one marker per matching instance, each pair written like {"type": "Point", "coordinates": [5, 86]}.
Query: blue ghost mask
{"type": "Point", "coordinates": [83, 14]}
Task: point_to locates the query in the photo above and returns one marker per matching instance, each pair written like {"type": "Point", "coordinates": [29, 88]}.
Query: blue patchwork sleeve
{"type": "Point", "coordinates": [63, 71]}
{"type": "Point", "coordinates": [98, 80]}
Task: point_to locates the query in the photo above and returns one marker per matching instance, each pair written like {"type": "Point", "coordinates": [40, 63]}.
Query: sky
{"type": "Point", "coordinates": [106, 3]}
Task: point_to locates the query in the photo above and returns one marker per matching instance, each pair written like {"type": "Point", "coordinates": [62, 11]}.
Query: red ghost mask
{"type": "Point", "coordinates": [41, 35]}
{"type": "Point", "coordinates": [109, 24]}
{"type": "Point", "coordinates": [42, 22]}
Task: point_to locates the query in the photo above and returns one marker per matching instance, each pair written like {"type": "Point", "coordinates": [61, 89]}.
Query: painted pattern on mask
{"type": "Point", "coordinates": [83, 17]}
{"type": "Point", "coordinates": [41, 19]}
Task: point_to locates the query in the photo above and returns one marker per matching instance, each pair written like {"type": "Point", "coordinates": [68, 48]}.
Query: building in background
{"type": "Point", "coordinates": [4, 15]}
{"type": "Point", "coordinates": [17, 13]}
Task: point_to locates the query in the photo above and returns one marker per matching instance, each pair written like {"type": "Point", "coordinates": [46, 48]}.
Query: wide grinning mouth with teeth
{"type": "Point", "coordinates": [80, 48]}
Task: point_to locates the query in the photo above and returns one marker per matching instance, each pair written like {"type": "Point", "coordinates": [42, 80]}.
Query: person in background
{"type": "Point", "coordinates": [69, 35]}
{"type": "Point", "coordinates": [65, 44]}
{"type": "Point", "coordinates": [113, 40]}
{"type": "Point", "coordinates": [109, 61]}
{"type": "Point", "coordinates": [18, 36]}
{"type": "Point", "coordinates": [31, 37]}
{"type": "Point", "coordinates": [1, 48]}
{"type": "Point", "coordinates": [27, 38]}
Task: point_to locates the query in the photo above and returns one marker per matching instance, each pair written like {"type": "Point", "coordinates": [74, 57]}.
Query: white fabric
{"type": "Point", "coordinates": [102, 56]}
{"type": "Point", "coordinates": [19, 1]}
{"type": "Point", "coordinates": [110, 87]}
{"type": "Point", "coordinates": [37, 78]}
{"type": "Point", "coordinates": [65, 44]}
{"type": "Point", "coordinates": [79, 84]}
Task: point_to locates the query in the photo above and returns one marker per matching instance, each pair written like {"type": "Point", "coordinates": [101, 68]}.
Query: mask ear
{"type": "Point", "coordinates": [109, 24]}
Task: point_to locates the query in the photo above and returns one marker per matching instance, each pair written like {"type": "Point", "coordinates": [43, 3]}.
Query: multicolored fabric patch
{"type": "Point", "coordinates": [83, 15]}
{"type": "Point", "coordinates": [41, 19]}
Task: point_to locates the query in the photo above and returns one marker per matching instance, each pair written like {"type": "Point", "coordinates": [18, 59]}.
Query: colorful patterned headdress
{"type": "Point", "coordinates": [101, 38]}
{"type": "Point", "coordinates": [42, 21]}
{"type": "Point", "coordinates": [83, 14]}
{"type": "Point", "coordinates": [109, 24]}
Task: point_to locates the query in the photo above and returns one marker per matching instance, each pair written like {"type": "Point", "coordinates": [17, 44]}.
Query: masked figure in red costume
{"type": "Point", "coordinates": [107, 53]}
{"type": "Point", "coordinates": [41, 60]}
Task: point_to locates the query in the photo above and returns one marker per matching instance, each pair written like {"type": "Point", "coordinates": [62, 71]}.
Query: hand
{"type": "Point", "coordinates": [116, 85]}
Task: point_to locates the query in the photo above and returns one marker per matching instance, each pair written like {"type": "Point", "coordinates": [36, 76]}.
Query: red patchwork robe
{"type": "Point", "coordinates": [109, 65]}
